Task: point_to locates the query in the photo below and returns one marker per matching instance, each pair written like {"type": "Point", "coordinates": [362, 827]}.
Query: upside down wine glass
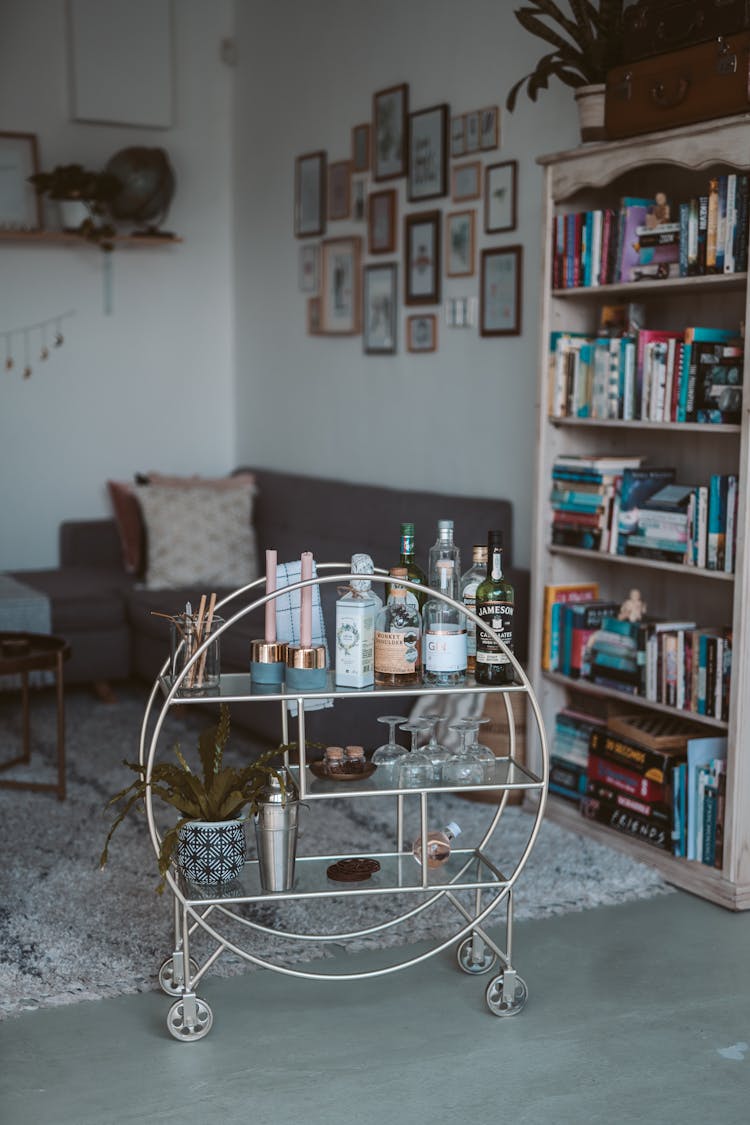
{"type": "Point", "coordinates": [462, 768]}
{"type": "Point", "coordinates": [435, 751]}
{"type": "Point", "coordinates": [415, 768]}
{"type": "Point", "coordinates": [387, 756]}
{"type": "Point", "coordinates": [478, 750]}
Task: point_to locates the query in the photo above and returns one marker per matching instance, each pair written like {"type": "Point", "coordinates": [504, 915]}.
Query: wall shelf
{"type": "Point", "coordinates": [70, 238]}
{"type": "Point", "coordinates": [631, 560]}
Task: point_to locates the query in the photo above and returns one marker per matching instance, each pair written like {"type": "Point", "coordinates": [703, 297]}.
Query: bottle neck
{"type": "Point", "coordinates": [407, 547]}
{"type": "Point", "coordinates": [495, 564]}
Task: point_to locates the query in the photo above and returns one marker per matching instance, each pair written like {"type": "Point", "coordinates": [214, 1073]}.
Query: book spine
{"type": "Point", "coordinates": [623, 820]}
{"type": "Point", "coordinates": [730, 229]}
{"type": "Point", "coordinates": [711, 224]}
{"type": "Point", "coordinates": [721, 222]}
{"type": "Point", "coordinates": [628, 781]}
{"type": "Point", "coordinates": [639, 759]}
{"type": "Point", "coordinates": [730, 541]}
{"type": "Point", "coordinates": [742, 224]}
{"type": "Point", "coordinates": [702, 232]}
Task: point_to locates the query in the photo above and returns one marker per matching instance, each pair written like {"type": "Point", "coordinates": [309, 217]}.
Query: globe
{"type": "Point", "coordinates": [147, 185]}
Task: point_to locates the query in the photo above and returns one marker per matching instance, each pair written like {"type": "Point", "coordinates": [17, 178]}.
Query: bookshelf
{"type": "Point", "coordinates": [678, 162]}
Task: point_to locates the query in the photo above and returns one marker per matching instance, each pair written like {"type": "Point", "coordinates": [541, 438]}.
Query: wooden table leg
{"type": "Point", "coordinates": [60, 728]}
{"type": "Point", "coordinates": [26, 744]}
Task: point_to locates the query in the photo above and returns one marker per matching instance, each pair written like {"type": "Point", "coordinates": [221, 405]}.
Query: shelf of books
{"type": "Point", "coordinates": [640, 556]}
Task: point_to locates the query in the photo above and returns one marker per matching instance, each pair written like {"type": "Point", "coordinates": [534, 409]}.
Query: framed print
{"type": "Point", "coordinates": [489, 127]}
{"type": "Point", "coordinates": [339, 190]}
{"type": "Point", "coordinates": [422, 242]}
{"type": "Point", "coordinates": [309, 269]}
{"type": "Point", "coordinates": [389, 113]}
{"type": "Point", "coordinates": [313, 316]}
{"type": "Point", "coordinates": [361, 148]}
{"type": "Point", "coordinates": [340, 301]}
{"type": "Point", "coordinates": [428, 153]}
{"type": "Point", "coordinates": [20, 206]}
{"type": "Point", "coordinates": [500, 292]}
{"type": "Point", "coordinates": [359, 200]}
{"type": "Point", "coordinates": [458, 136]}
{"type": "Point", "coordinates": [421, 333]}
{"type": "Point", "coordinates": [466, 182]}
{"type": "Point", "coordinates": [500, 197]}
{"type": "Point", "coordinates": [381, 221]}
{"type": "Point", "coordinates": [472, 132]}
{"type": "Point", "coordinates": [379, 309]}
{"type": "Point", "coordinates": [310, 194]}
{"type": "Point", "coordinates": [459, 243]}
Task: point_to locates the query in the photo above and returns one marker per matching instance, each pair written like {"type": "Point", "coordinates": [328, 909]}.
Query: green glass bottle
{"type": "Point", "coordinates": [413, 571]}
{"type": "Point", "coordinates": [495, 599]}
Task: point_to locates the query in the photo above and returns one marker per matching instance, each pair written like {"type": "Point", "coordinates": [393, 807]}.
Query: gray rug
{"type": "Point", "coordinates": [71, 932]}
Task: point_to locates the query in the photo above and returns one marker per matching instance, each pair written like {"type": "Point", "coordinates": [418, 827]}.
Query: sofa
{"type": "Point", "coordinates": [107, 615]}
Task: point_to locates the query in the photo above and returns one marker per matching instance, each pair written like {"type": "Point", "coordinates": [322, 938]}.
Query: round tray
{"type": "Point", "coordinates": [319, 770]}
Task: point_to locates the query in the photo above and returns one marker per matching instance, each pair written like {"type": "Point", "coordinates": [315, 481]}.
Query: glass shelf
{"type": "Point", "coordinates": [508, 774]}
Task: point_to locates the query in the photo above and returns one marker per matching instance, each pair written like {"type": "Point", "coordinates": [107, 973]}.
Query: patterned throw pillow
{"type": "Point", "coordinates": [198, 536]}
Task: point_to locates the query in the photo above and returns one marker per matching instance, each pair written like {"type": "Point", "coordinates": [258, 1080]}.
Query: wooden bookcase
{"type": "Point", "coordinates": [593, 176]}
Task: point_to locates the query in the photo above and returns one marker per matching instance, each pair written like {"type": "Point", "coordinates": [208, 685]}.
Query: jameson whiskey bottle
{"type": "Point", "coordinates": [469, 583]}
{"type": "Point", "coordinates": [494, 604]}
{"type": "Point", "coordinates": [414, 572]}
{"type": "Point", "coordinates": [397, 637]}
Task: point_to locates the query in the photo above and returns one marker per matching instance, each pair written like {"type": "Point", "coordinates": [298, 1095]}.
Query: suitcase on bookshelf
{"type": "Point", "coordinates": [697, 84]}
{"type": "Point", "coordinates": [652, 27]}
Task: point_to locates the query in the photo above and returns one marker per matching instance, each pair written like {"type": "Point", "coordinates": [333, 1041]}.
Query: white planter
{"type": "Point", "coordinates": [72, 213]}
{"type": "Point", "coordinates": [590, 102]}
{"type": "Point", "coordinates": [211, 852]}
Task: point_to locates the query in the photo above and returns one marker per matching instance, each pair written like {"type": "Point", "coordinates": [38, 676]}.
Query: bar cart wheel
{"type": "Point", "coordinates": [468, 963]}
{"type": "Point", "coordinates": [189, 1019]}
{"type": "Point", "coordinates": [507, 997]}
{"type": "Point", "coordinates": [169, 981]}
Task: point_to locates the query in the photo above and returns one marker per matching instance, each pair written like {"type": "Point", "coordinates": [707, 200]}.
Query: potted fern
{"type": "Point", "coordinates": [82, 197]}
{"type": "Point", "coordinates": [587, 42]}
{"type": "Point", "coordinates": [208, 841]}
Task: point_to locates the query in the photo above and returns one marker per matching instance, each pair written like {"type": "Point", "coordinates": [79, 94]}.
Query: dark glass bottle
{"type": "Point", "coordinates": [414, 572]}
{"type": "Point", "coordinates": [494, 604]}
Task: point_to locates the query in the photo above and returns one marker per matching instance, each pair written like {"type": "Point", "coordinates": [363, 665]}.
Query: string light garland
{"type": "Point", "coordinates": [27, 334]}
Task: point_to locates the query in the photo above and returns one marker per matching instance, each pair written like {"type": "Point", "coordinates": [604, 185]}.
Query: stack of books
{"type": "Point", "coordinates": [569, 752]}
{"type": "Point", "coordinates": [582, 499]}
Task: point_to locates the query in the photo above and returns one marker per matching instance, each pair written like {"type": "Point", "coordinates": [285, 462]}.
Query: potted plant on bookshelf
{"type": "Point", "coordinates": [208, 841]}
{"type": "Point", "coordinates": [587, 43]}
{"type": "Point", "coordinates": [82, 197]}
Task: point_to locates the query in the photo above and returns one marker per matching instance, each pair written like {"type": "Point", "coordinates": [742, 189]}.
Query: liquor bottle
{"type": "Point", "coordinates": [356, 612]}
{"type": "Point", "coordinates": [398, 631]}
{"type": "Point", "coordinates": [414, 572]}
{"type": "Point", "coordinates": [438, 845]}
{"type": "Point", "coordinates": [495, 605]}
{"type": "Point", "coordinates": [476, 574]}
{"type": "Point", "coordinates": [444, 633]}
{"type": "Point", "coordinates": [443, 548]}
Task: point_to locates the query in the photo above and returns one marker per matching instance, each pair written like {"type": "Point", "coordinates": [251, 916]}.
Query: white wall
{"type": "Point", "coordinates": [461, 420]}
{"type": "Point", "coordinates": [152, 385]}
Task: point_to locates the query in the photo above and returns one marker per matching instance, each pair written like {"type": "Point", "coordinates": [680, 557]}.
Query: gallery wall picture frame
{"type": "Point", "coordinates": [361, 148]}
{"type": "Point", "coordinates": [500, 197]}
{"type": "Point", "coordinates": [339, 190]}
{"type": "Point", "coordinates": [458, 135]}
{"type": "Point", "coordinates": [500, 289]}
{"type": "Point", "coordinates": [421, 332]}
{"type": "Point", "coordinates": [341, 289]}
{"type": "Point", "coordinates": [422, 256]}
{"type": "Point", "coordinates": [390, 109]}
{"type": "Point", "coordinates": [428, 153]}
{"type": "Point", "coordinates": [466, 181]}
{"type": "Point", "coordinates": [313, 316]}
{"type": "Point", "coordinates": [310, 194]}
{"type": "Point", "coordinates": [359, 199]}
{"type": "Point", "coordinates": [20, 206]}
{"type": "Point", "coordinates": [379, 302]}
{"type": "Point", "coordinates": [460, 240]}
{"type": "Point", "coordinates": [471, 129]}
{"type": "Point", "coordinates": [381, 221]}
{"type": "Point", "coordinates": [489, 127]}
{"type": "Point", "coordinates": [309, 268]}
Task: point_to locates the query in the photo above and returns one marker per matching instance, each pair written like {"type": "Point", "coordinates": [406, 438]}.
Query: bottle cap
{"type": "Point", "coordinates": [494, 539]}
{"type": "Point", "coordinates": [407, 528]}
{"type": "Point", "coordinates": [453, 828]}
{"type": "Point", "coordinates": [479, 553]}
{"type": "Point", "coordinates": [362, 564]}
{"type": "Point", "coordinates": [355, 751]}
{"type": "Point", "coordinates": [445, 525]}
{"type": "Point", "coordinates": [334, 753]}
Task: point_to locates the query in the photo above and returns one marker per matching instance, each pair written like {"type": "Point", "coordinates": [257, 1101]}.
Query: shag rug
{"type": "Point", "coordinates": [70, 931]}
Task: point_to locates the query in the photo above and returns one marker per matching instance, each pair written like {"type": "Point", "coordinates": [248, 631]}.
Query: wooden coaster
{"type": "Point", "coordinates": [352, 870]}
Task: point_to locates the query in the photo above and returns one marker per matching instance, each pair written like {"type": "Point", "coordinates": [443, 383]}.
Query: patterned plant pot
{"type": "Point", "coordinates": [211, 852]}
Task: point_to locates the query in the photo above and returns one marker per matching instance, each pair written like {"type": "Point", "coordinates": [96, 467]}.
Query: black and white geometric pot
{"type": "Point", "coordinates": [211, 852]}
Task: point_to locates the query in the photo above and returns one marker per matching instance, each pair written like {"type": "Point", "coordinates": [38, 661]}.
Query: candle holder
{"type": "Point", "coordinates": [267, 661]}
{"type": "Point", "coordinates": [305, 667]}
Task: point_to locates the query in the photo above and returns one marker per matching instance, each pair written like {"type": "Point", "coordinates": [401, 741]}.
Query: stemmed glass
{"type": "Point", "coordinates": [435, 751]}
{"type": "Point", "coordinates": [387, 756]}
{"type": "Point", "coordinates": [478, 750]}
{"type": "Point", "coordinates": [415, 768]}
{"type": "Point", "coordinates": [462, 768]}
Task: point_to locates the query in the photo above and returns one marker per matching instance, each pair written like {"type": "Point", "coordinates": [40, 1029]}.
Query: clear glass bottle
{"type": "Point", "coordinates": [398, 633]}
{"type": "Point", "coordinates": [470, 580]}
{"type": "Point", "coordinates": [414, 572]}
{"type": "Point", "coordinates": [356, 611]}
{"type": "Point", "coordinates": [495, 605]}
{"type": "Point", "coordinates": [443, 548]}
{"type": "Point", "coordinates": [438, 845]}
{"type": "Point", "coordinates": [444, 633]}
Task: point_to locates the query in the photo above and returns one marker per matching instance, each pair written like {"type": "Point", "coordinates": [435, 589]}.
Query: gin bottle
{"type": "Point", "coordinates": [414, 572]}
{"type": "Point", "coordinates": [469, 583]}
{"type": "Point", "coordinates": [443, 548]}
{"type": "Point", "coordinates": [438, 845]}
{"type": "Point", "coordinates": [356, 611]}
{"type": "Point", "coordinates": [444, 633]}
{"type": "Point", "coordinates": [398, 634]}
{"type": "Point", "coordinates": [495, 605]}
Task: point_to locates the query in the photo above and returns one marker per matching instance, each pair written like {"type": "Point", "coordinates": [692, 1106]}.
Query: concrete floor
{"type": "Point", "coordinates": [636, 1013]}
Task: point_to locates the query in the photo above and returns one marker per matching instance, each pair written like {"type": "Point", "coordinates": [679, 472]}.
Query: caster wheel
{"type": "Point", "coordinates": [166, 977]}
{"type": "Point", "coordinates": [467, 963]}
{"type": "Point", "coordinates": [181, 1030]}
{"type": "Point", "coordinates": [502, 1007]}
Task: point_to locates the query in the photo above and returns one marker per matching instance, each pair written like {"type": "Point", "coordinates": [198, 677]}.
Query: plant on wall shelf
{"type": "Point", "coordinates": [587, 41]}
{"type": "Point", "coordinates": [72, 183]}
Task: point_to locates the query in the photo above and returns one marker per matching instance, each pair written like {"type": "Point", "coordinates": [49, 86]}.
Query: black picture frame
{"type": "Point", "coordinates": [310, 175]}
{"type": "Point", "coordinates": [500, 291]}
{"type": "Point", "coordinates": [390, 109]}
{"type": "Point", "coordinates": [428, 153]}
{"type": "Point", "coordinates": [379, 308]}
{"type": "Point", "coordinates": [422, 257]}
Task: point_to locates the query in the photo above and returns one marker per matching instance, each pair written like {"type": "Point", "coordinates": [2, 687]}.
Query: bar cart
{"type": "Point", "coordinates": [224, 914]}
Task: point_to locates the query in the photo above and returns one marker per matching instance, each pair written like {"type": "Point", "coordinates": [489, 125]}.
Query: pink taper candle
{"type": "Point", "coordinates": [270, 606]}
{"type": "Point", "coordinates": [305, 608]}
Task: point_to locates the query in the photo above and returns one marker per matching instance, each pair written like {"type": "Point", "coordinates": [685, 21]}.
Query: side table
{"type": "Point", "coordinates": [22, 653]}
